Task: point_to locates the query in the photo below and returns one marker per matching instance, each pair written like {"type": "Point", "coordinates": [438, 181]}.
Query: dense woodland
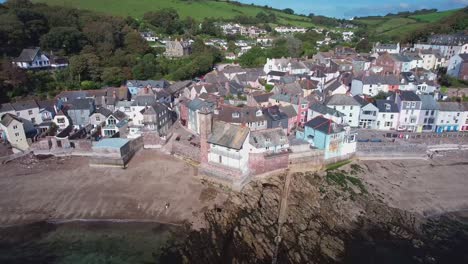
{"type": "Point", "coordinates": [102, 50]}
{"type": "Point", "coordinates": [107, 50]}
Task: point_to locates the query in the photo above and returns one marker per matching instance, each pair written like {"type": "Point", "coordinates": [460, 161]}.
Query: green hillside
{"type": "Point", "coordinates": [399, 27]}
{"type": "Point", "coordinates": [197, 9]}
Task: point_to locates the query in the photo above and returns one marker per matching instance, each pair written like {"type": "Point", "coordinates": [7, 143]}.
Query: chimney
{"type": "Point", "coordinates": [114, 94]}
{"type": "Point", "coordinates": [397, 92]}
{"type": "Point", "coordinates": [146, 90]}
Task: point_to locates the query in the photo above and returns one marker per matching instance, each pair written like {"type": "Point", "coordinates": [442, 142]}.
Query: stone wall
{"type": "Point", "coordinates": [260, 163]}
{"type": "Point", "coordinates": [224, 175]}
{"type": "Point", "coordinates": [306, 159]}
{"type": "Point", "coordinates": [186, 150]}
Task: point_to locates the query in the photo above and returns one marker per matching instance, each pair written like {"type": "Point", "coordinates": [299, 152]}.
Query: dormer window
{"type": "Point", "coordinates": [259, 113]}
{"type": "Point", "coordinates": [387, 106]}
{"type": "Point", "coordinates": [235, 115]}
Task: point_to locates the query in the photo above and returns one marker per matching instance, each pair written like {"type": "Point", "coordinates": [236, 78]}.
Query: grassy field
{"type": "Point", "coordinates": [433, 17]}
{"type": "Point", "coordinates": [196, 9]}
{"type": "Point", "coordinates": [394, 26]}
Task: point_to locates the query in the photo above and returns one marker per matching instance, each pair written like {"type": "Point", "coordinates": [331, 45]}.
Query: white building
{"type": "Point", "coordinates": [28, 110]}
{"type": "Point", "coordinates": [288, 65]}
{"type": "Point", "coordinates": [285, 30]}
{"type": "Point", "coordinates": [15, 130]}
{"type": "Point", "coordinates": [346, 105]}
{"type": "Point", "coordinates": [32, 59]}
{"type": "Point", "coordinates": [388, 115]}
{"type": "Point", "coordinates": [229, 146]}
{"type": "Point", "coordinates": [389, 48]}
{"type": "Point", "coordinates": [348, 35]}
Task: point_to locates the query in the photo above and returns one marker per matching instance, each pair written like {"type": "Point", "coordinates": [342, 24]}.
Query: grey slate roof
{"type": "Point", "coordinates": [451, 107]}
{"type": "Point", "coordinates": [276, 73]}
{"type": "Point", "coordinates": [341, 99]}
{"type": "Point", "coordinates": [24, 105]}
{"type": "Point", "coordinates": [8, 118]}
{"type": "Point", "coordinates": [84, 103]}
{"type": "Point", "coordinates": [378, 79]}
{"type": "Point", "coordinates": [268, 138]}
{"type": "Point", "coordinates": [409, 96]}
{"type": "Point", "coordinates": [324, 125]}
{"type": "Point", "coordinates": [197, 104]}
{"type": "Point", "coordinates": [464, 57]}
{"type": "Point", "coordinates": [262, 97]}
{"type": "Point", "coordinates": [119, 115]}
{"type": "Point", "coordinates": [382, 106]}
{"type": "Point", "coordinates": [178, 86]}
{"type": "Point", "coordinates": [228, 135]}
{"type": "Point", "coordinates": [324, 110]}
{"type": "Point", "coordinates": [6, 107]}
{"type": "Point", "coordinates": [104, 111]}
{"type": "Point", "coordinates": [386, 46]}
{"type": "Point", "coordinates": [428, 102]}
{"type": "Point", "coordinates": [152, 83]}
{"type": "Point", "coordinates": [274, 113]}
{"type": "Point", "coordinates": [28, 55]}
{"type": "Point", "coordinates": [288, 110]}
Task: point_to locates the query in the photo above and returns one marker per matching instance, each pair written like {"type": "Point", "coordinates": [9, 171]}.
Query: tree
{"type": "Point", "coordinates": [113, 76]}
{"type": "Point", "coordinates": [209, 27]}
{"type": "Point", "coordinates": [166, 20]}
{"type": "Point", "coordinates": [288, 11]}
{"type": "Point", "coordinates": [68, 39]}
{"type": "Point", "coordinates": [255, 57]}
{"type": "Point", "coordinates": [145, 68]}
{"type": "Point", "coordinates": [135, 43]}
{"type": "Point", "coordinates": [231, 46]}
{"type": "Point", "coordinates": [363, 46]}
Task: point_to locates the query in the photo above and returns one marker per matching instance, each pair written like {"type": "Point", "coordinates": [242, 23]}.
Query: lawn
{"type": "Point", "coordinates": [393, 23]}
{"type": "Point", "coordinates": [434, 17]}
{"type": "Point", "coordinates": [196, 9]}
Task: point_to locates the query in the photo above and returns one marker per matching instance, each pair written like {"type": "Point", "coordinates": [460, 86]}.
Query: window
{"type": "Point", "coordinates": [304, 105]}
{"type": "Point", "coordinates": [17, 134]}
{"type": "Point", "coordinates": [18, 113]}
{"type": "Point", "coordinates": [383, 115]}
{"type": "Point", "coordinates": [15, 127]}
{"type": "Point", "coordinates": [220, 159]}
{"type": "Point", "coordinates": [427, 112]}
{"type": "Point", "coordinates": [350, 114]}
{"type": "Point", "coordinates": [30, 112]}
{"type": "Point", "coordinates": [413, 104]}
{"type": "Point", "coordinates": [391, 116]}
{"type": "Point", "coordinates": [351, 107]}
{"type": "Point", "coordinates": [60, 120]}
{"type": "Point", "coordinates": [33, 120]}
{"type": "Point", "coordinates": [98, 118]}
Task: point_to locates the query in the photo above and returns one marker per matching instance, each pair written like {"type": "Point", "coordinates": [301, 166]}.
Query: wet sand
{"type": "Point", "coordinates": [68, 188]}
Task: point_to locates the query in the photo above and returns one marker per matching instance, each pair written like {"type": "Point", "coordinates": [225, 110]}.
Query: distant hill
{"type": "Point", "coordinates": [404, 26]}
{"type": "Point", "coordinates": [198, 9]}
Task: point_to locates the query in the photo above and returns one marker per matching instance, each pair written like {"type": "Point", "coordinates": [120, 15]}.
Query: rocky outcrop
{"type": "Point", "coordinates": [330, 218]}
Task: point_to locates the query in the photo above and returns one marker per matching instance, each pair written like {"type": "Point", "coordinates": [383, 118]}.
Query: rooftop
{"type": "Point", "coordinates": [116, 143]}
{"type": "Point", "coordinates": [324, 125]}
{"type": "Point", "coordinates": [228, 135]}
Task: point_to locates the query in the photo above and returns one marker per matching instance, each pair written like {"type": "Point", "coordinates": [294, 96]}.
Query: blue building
{"type": "Point", "coordinates": [323, 133]}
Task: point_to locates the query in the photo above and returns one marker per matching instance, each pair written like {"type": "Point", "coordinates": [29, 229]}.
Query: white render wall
{"type": "Point", "coordinates": [351, 113]}
{"type": "Point", "coordinates": [225, 153]}
{"type": "Point", "coordinates": [387, 121]}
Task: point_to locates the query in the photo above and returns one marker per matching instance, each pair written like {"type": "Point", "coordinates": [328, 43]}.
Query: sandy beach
{"type": "Point", "coordinates": [61, 188]}
{"type": "Point", "coordinates": [427, 187]}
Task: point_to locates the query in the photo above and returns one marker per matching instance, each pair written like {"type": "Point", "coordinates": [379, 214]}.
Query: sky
{"type": "Point", "coordinates": [351, 8]}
